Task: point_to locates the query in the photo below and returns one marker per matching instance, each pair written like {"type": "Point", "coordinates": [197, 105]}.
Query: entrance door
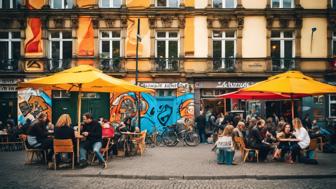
{"type": "Point", "coordinates": [8, 105]}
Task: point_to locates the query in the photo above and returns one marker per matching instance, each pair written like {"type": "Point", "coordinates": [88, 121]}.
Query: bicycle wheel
{"type": "Point", "coordinates": [158, 140]}
{"type": "Point", "coordinates": [169, 138]}
{"type": "Point", "coordinates": [191, 138]}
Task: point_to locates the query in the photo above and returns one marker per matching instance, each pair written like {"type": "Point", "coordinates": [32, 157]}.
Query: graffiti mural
{"type": "Point", "coordinates": [85, 37]}
{"type": "Point", "coordinates": [31, 103]}
{"type": "Point", "coordinates": [156, 112]}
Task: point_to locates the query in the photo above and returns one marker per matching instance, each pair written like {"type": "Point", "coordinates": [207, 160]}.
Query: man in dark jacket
{"type": "Point", "coordinates": [93, 133]}
{"type": "Point", "coordinates": [200, 123]}
{"type": "Point", "coordinates": [256, 140]}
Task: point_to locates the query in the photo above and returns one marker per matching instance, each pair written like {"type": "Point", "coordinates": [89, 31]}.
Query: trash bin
{"type": "Point", "coordinates": [220, 155]}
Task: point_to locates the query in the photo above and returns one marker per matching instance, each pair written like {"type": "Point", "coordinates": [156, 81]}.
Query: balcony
{"type": "Point", "coordinates": [9, 65]}
{"type": "Point", "coordinates": [111, 65]}
{"type": "Point", "coordinates": [282, 64]}
{"type": "Point", "coordinates": [57, 65]}
{"type": "Point", "coordinates": [224, 64]}
{"type": "Point", "coordinates": [167, 64]}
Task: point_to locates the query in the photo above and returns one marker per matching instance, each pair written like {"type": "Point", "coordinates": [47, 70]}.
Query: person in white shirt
{"type": "Point", "coordinates": [225, 141]}
{"type": "Point", "coordinates": [302, 136]}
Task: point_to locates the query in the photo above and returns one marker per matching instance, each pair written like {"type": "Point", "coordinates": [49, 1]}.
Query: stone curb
{"type": "Point", "coordinates": [183, 177]}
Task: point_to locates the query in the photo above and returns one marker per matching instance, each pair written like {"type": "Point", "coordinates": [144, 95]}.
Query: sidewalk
{"type": "Point", "coordinates": [162, 163]}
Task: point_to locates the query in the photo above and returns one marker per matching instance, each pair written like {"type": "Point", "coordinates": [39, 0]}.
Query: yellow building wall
{"type": "Point", "coordinates": [320, 43]}
{"type": "Point", "coordinates": [189, 46]}
{"type": "Point", "coordinates": [254, 4]}
{"type": "Point", "coordinates": [254, 37]}
{"type": "Point", "coordinates": [84, 3]}
{"type": "Point", "coordinates": [201, 37]}
{"type": "Point", "coordinates": [144, 66]}
{"type": "Point", "coordinates": [138, 3]}
{"type": "Point", "coordinates": [190, 3]}
{"type": "Point", "coordinates": [314, 4]}
{"type": "Point", "coordinates": [195, 67]}
{"type": "Point", "coordinates": [313, 66]}
{"type": "Point", "coordinates": [144, 45]}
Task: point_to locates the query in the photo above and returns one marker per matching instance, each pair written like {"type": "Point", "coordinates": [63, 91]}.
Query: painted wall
{"type": "Point", "coordinates": [313, 65]}
{"type": "Point", "coordinates": [254, 37]}
{"type": "Point", "coordinates": [320, 43]}
{"type": "Point", "coordinates": [189, 37]}
{"type": "Point", "coordinates": [256, 4]}
{"type": "Point", "coordinates": [85, 37]}
{"type": "Point", "coordinates": [201, 37]}
{"type": "Point", "coordinates": [137, 4]}
{"type": "Point", "coordinates": [144, 50]}
{"type": "Point", "coordinates": [194, 66]}
{"type": "Point", "coordinates": [190, 3]}
{"type": "Point", "coordinates": [31, 103]}
{"type": "Point", "coordinates": [86, 3]}
{"type": "Point", "coordinates": [314, 4]}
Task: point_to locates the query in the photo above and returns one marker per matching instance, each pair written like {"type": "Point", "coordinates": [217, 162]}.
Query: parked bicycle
{"type": "Point", "coordinates": [171, 136]}
{"type": "Point", "coordinates": [153, 139]}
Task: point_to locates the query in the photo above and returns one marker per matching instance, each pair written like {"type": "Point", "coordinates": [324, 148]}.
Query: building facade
{"type": "Point", "coordinates": [190, 52]}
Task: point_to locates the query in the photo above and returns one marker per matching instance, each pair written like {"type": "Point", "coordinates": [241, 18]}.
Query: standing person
{"type": "Point", "coordinates": [93, 133]}
{"type": "Point", "coordinates": [302, 137]}
{"type": "Point", "coordinates": [200, 123]}
{"type": "Point", "coordinates": [257, 141]}
{"type": "Point", "coordinates": [38, 135]}
{"type": "Point", "coordinates": [220, 119]}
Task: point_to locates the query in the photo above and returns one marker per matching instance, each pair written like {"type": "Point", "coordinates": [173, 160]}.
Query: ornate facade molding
{"type": "Point", "coordinates": [210, 22]}
{"type": "Point", "coordinates": [95, 23]}
{"type": "Point", "coordinates": [240, 22]}
{"type": "Point", "coordinates": [224, 21]}
{"type": "Point", "coordinates": [167, 21]}
{"type": "Point", "coordinates": [152, 22]}
{"type": "Point", "coordinates": [284, 22]}
{"type": "Point", "coordinates": [23, 23]}
{"type": "Point", "coordinates": [59, 22]}
{"type": "Point", "coordinates": [110, 22]}
{"type": "Point", "coordinates": [74, 22]}
{"type": "Point", "coordinates": [181, 20]}
{"type": "Point", "coordinates": [45, 22]}
{"type": "Point", "coordinates": [123, 21]}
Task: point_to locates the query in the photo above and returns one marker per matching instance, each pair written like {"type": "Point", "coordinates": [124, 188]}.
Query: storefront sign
{"type": "Point", "coordinates": [223, 84]}
{"type": "Point", "coordinates": [164, 85]}
{"type": "Point", "coordinates": [8, 85]}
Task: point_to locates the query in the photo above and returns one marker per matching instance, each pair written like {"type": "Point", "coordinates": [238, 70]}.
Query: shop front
{"type": "Point", "coordinates": [8, 100]}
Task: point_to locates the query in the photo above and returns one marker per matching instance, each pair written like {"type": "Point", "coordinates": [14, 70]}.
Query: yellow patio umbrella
{"type": "Point", "coordinates": [82, 78]}
{"type": "Point", "coordinates": [292, 83]}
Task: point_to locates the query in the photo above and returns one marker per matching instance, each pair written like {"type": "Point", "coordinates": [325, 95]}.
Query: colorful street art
{"type": "Point", "coordinates": [85, 37]}
{"type": "Point", "coordinates": [156, 112]}
{"type": "Point", "coordinates": [31, 103]}
{"type": "Point", "coordinates": [33, 43]}
{"type": "Point", "coordinates": [86, 3]}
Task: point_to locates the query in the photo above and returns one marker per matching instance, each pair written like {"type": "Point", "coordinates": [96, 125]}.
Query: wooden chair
{"type": "Point", "coordinates": [141, 144]}
{"type": "Point", "coordinates": [63, 146]}
{"type": "Point", "coordinates": [104, 150]}
{"type": "Point", "coordinates": [30, 152]}
{"type": "Point", "coordinates": [312, 147]}
{"type": "Point", "coordinates": [245, 151]}
{"type": "Point", "coordinates": [321, 143]}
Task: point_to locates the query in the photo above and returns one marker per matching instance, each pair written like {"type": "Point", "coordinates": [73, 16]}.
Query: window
{"type": "Point", "coordinates": [282, 3]}
{"type": "Point", "coordinates": [332, 106]}
{"type": "Point", "coordinates": [90, 95]}
{"type": "Point", "coordinates": [110, 3]}
{"type": "Point", "coordinates": [9, 4]}
{"type": "Point", "coordinates": [10, 45]}
{"type": "Point", "coordinates": [333, 4]}
{"type": "Point", "coordinates": [61, 94]}
{"type": "Point", "coordinates": [212, 92]}
{"type": "Point", "coordinates": [318, 99]}
{"type": "Point", "coordinates": [168, 3]}
{"type": "Point", "coordinates": [224, 4]}
{"type": "Point", "coordinates": [333, 44]}
{"type": "Point", "coordinates": [110, 50]}
{"type": "Point", "coordinates": [61, 4]}
{"type": "Point", "coordinates": [166, 92]}
{"type": "Point", "coordinates": [224, 49]}
{"type": "Point", "coordinates": [60, 49]}
{"type": "Point", "coordinates": [167, 49]}
{"type": "Point", "coordinates": [282, 50]}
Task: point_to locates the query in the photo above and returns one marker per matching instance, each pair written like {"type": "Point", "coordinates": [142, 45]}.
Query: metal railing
{"type": "Point", "coordinates": [224, 64]}
{"type": "Point", "coordinates": [283, 64]}
{"type": "Point", "coordinates": [110, 65]}
{"type": "Point", "coordinates": [167, 64]}
{"type": "Point", "coordinates": [57, 65]}
{"type": "Point", "coordinates": [9, 65]}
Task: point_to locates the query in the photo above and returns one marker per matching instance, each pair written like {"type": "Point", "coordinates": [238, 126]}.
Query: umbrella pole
{"type": "Point", "coordinates": [79, 104]}
{"type": "Point", "coordinates": [292, 100]}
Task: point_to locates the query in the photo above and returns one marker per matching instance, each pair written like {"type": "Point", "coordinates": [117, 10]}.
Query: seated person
{"type": "Point", "coordinates": [256, 141]}
{"type": "Point", "coordinates": [93, 132]}
{"type": "Point", "coordinates": [38, 135]}
{"type": "Point", "coordinates": [64, 131]}
{"type": "Point", "coordinates": [284, 142]}
{"type": "Point", "coordinates": [302, 137]}
{"type": "Point", "coordinates": [224, 141]}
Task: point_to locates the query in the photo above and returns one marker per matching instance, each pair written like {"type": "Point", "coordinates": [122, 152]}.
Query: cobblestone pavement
{"type": "Point", "coordinates": [196, 165]}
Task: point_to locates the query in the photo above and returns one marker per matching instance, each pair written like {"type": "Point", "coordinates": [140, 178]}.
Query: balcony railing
{"type": "Point", "coordinates": [283, 64]}
{"type": "Point", "coordinates": [224, 64]}
{"type": "Point", "coordinates": [57, 65]}
{"type": "Point", "coordinates": [110, 65]}
{"type": "Point", "coordinates": [167, 64]}
{"type": "Point", "coordinates": [9, 65]}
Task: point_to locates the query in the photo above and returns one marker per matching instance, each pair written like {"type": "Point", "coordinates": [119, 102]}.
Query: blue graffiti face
{"type": "Point", "coordinates": [165, 112]}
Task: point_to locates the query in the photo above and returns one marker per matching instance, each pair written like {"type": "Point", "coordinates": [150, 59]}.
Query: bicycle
{"type": "Point", "coordinates": [171, 136]}
{"type": "Point", "coordinates": [153, 139]}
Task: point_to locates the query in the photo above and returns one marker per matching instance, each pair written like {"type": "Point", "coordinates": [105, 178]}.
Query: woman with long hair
{"type": "Point", "coordinates": [302, 137]}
